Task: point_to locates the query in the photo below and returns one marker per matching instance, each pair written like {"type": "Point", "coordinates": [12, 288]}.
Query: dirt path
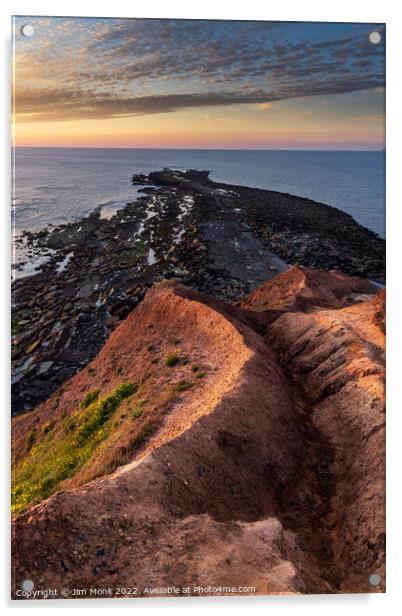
{"type": "Point", "coordinates": [306, 507]}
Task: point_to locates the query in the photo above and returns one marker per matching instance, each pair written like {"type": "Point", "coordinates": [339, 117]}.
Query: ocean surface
{"type": "Point", "coordinates": [57, 185]}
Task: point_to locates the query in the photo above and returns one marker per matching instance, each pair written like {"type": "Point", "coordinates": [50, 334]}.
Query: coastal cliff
{"type": "Point", "coordinates": [213, 443]}
{"type": "Point", "coordinates": [219, 239]}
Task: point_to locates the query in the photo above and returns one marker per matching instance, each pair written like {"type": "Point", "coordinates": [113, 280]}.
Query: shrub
{"type": "Point", "coordinates": [182, 386]}
{"type": "Point", "coordinates": [172, 360]}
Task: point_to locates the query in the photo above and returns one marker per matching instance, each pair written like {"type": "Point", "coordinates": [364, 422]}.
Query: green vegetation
{"type": "Point", "coordinates": [47, 427]}
{"type": "Point", "coordinates": [63, 450]}
{"type": "Point", "coordinates": [200, 371]}
{"type": "Point", "coordinates": [89, 398]}
{"type": "Point", "coordinates": [138, 410]}
{"type": "Point", "coordinates": [176, 341]}
{"type": "Point", "coordinates": [91, 371]}
{"type": "Point", "coordinates": [172, 360]}
{"type": "Point", "coordinates": [31, 439]}
{"type": "Point", "coordinates": [151, 347]}
{"type": "Point", "coordinates": [100, 412]}
{"type": "Point", "coordinates": [70, 424]}
{"type": "Point", "coordinates": [130, 256]}
{"type": "Point", "coordinates": [182, 385]}
{"type": "Point", "coordinates": [154, 360]}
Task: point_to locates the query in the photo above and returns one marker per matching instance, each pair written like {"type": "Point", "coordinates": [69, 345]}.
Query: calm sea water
{"type": "Point", "coordinates": [57, 185]}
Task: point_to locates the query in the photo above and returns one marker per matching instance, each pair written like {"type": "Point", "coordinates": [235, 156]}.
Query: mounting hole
{"type": "Point", "coordinates": [374, 579]}
{"type": "Point", "coordinates": [375, 38]}
{"type": "Point", "coordinates": [27, 30]}
{"type": "Point", "coordinates": [28, 585]}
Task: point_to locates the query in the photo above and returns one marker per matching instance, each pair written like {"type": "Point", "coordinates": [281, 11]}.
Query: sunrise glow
{"type": "Point", "coordinates": [190, 84]}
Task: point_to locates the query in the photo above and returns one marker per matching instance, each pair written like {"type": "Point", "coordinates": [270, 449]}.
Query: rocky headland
{"type": "Point", "coordinates": [219, 239]}
{"type": "Point", "coordinates": [198, 397]}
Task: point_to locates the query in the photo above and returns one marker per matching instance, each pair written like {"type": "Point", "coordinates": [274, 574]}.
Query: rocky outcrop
{"type": "Point", "coordinates": [247, 450]}
{"type": "Point", "coordinates": [303, 290]}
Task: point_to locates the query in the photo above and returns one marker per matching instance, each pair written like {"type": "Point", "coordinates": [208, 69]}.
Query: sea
{"type": "Point", "coordinates": [52, 186]}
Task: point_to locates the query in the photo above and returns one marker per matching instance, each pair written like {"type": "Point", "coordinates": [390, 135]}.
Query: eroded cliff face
{"type": "Point", "coordinates": [337, 359]}
{"type": "Point", "coordinates": [215, 445]}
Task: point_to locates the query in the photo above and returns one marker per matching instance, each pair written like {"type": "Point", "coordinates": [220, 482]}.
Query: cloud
{"type": "Point", "coordinates": [112, 68]}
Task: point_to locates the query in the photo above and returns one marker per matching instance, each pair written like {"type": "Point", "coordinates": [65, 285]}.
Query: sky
{"type": "Point", "coordinates": [161, 83]}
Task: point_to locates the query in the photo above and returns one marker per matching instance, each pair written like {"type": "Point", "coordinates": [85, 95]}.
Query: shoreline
{"type": "Point", "coordinates": [102, 267]}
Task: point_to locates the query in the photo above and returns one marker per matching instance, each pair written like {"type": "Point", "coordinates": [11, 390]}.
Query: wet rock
{"type": "Point", "coordinates": [45, 367]}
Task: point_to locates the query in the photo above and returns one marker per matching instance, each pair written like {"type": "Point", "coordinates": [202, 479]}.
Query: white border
{"type": "Point", "coordinates": [342, 10]}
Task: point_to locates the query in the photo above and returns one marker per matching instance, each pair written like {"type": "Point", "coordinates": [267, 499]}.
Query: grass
{"type": "Point", "coordinates": [138, 410]}
{"type": "Point", "coordinates": [62, 451]}
{"type": "Point", "coordinates": [182, 386]}
{"type": "Point", "coordinates": [100, 412]}
{"type": "Point", "coordinates": [172, 360]}
{"type": "Point", "coordinates": [89, 398]}
{"type": "Point", "coordinates": [199, 371]}
{"type": "Point", "coordinates": [31, 439]}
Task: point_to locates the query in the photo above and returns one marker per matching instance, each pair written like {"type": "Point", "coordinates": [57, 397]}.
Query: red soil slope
{"type": "Point", "coordinates": [304, 289]}
{"type": "Point", "coordinates": [266, 472]}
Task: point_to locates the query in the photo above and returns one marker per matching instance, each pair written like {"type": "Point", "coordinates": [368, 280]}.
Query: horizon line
{"type": "Point", "coordinates": [105, 147]}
